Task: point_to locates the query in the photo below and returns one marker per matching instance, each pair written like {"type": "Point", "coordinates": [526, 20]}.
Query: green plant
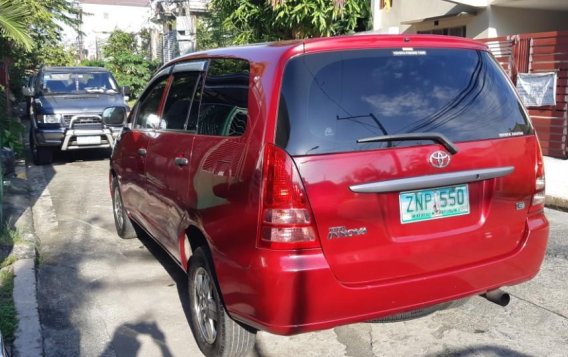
{"type": "Point", "coordinates": [246, 21]}
{"type": "Point", "coordinates": [127, 62]}
{"type": "Point", "coordinates": [8, 316]}
{"type": "Point", "coordinates": [10, 236]}
{"type": "Point", "coordinates": [13, 25]}
{"type": "Point", "coordinates": [10, 130]}
{"type": "Point", "coordinates": [93, 63]}
{"type": "Point", "coordinates": [9, 260]}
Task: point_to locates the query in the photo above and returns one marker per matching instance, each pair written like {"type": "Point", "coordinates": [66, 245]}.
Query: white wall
{"type": "Point", "coordinates": [390, 21]}
{"type": "Point", "coordinates": [491, 21]}
{"type": "Point", "coordinates": [100, 20]}
{"type": "Point", "coordinates": [510, 21]}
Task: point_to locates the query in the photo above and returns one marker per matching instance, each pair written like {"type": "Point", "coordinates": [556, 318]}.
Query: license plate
{"type": "Point", "coordinates": [88, 140]}
{"type": "Point", "coordinates": [441, 202]}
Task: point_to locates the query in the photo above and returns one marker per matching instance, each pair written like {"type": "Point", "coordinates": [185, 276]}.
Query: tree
{"type": "Point", "coordinates": [119, 43]}
{"type": "Point", "coordinates": [43, 19]}
{"type": "Point", "coordinates": [246, 21]}
{"type": "Point", "coordinates": [56, 55]}
{"type": "Point", "coordinates": [127, 62]}
{"type": "Point", "coordinates": [12, 24]}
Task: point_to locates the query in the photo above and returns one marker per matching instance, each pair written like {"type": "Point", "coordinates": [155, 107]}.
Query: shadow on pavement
{"type": "Point", "coordinates": [483, 350]}
{"type": "Point", "coordinates": [125, 340]}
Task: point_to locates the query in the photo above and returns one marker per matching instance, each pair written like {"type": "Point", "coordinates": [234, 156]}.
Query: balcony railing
{"type": "Point", "coordinates": [198, 5]}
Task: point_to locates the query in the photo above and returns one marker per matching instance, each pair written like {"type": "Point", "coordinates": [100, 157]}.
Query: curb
{"type": "Point", "coordinates": [28, 339]}
{"type": "Point", "coordinates": [557, 203]}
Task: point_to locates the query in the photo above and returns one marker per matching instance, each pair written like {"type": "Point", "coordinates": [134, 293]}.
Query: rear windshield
{"type": "Point", "coordinates": [330, 100]}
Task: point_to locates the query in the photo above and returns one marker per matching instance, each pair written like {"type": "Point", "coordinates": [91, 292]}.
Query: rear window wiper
{"type": "Point", "coordinates": [437, 137]}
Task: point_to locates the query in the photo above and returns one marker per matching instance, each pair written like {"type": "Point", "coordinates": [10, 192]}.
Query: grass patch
{"type": "Point", "coordinates": [8, 318]}
{"type": "Point", "coordinates": [10, 237]}
{"type": "Point", "coordinates": [9, 260]}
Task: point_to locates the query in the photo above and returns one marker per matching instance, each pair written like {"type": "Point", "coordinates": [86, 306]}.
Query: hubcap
{"type": "Point", "coordinates": [204, 305]}
{"type": "Point", "coordinates": [118, 212]}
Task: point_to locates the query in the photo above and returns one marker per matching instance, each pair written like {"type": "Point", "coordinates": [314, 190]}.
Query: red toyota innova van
{"type": "Point", "coordinates": [308, 184]}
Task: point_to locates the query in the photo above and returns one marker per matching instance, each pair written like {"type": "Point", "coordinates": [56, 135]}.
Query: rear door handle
{"type": "Point", "coordinates": [181, 161]}
{"type": "Point", "coordinates": [142, 152]}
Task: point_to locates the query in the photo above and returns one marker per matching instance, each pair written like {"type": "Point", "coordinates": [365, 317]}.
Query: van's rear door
{"type": "Point", "coordinates": [399, 209]}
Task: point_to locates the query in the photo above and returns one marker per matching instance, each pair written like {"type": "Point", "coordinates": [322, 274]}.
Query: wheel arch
{"type": "Point", "coordinates": [191, 239]}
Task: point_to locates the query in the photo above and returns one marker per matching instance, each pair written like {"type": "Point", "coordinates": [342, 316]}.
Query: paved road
{"type": "Point", "coordinates": [103, 296]}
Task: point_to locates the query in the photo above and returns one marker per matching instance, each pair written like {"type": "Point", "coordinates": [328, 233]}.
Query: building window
{"type": "Point", "coordinates": [448, 31]}
{"type": "Point", "coordinates": [386, 4]}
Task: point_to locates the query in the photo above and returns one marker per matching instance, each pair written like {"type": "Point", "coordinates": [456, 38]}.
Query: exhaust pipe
{"type": "Point", "coordinates": [498, 297]}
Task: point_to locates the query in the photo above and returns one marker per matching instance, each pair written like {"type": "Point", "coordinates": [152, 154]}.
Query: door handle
{"type": "Point", "coordinates": [142, 152]}
{"type": "Point", "coordinates": [181, 161]}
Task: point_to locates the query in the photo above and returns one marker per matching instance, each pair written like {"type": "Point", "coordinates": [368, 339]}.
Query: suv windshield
{"type": "Point", "coordinates": [73, 82]}
{"type": "Point", "coordinates": [330, 100]}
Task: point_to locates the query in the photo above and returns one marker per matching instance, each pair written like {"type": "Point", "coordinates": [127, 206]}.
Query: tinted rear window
{"type": "Point", "coordinates": [329, 100]}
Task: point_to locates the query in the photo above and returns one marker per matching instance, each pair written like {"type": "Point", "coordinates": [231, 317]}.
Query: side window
{"type": "Point", "coordinates": [179, 99]}
{"type": "Point", "coordinates": [149, 104]}
{"type": "Point", "coordinates": [224, 102]}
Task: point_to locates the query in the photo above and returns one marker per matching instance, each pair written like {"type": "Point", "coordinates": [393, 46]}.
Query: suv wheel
{"type": "Point", "coordinates": [215, 332]}
{"type": "Point", "coordinates": [124, 226]}
{"type": "Point", "coordinates": [40, 155]}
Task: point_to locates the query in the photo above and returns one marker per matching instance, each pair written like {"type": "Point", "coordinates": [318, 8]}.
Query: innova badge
{"type": "Point", "coordinates": [439, 159]}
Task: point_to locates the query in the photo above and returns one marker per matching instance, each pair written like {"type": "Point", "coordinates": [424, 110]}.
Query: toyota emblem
{"type": "Point", "coordinates": [439, 159]}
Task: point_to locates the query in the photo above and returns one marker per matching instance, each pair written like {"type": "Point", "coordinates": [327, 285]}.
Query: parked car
{"type": "Point", "coordinates": [308, 184]}
{"type": "Point", "coordinates": [67, 103]}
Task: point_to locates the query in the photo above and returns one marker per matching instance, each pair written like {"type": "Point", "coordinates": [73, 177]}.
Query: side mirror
{"type": "Point", "coordinates": [114, 116]}
{"type": "Point", "coordinates": [126, 91]}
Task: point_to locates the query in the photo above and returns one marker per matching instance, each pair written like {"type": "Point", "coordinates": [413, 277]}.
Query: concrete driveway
{"type": "Point", "coordinates": [103, 296]}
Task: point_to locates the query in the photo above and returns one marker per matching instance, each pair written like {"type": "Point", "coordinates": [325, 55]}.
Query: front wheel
{"type": "Point", "coordinates": [215, 332]}
{"type": "Point", "coordinates": [40, 155]}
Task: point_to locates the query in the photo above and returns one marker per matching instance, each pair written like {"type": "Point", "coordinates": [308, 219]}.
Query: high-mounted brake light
{"type": "Point", "coordinates": [287, 219]}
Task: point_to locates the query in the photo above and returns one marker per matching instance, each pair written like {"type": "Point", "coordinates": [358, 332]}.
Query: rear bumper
{"type": "Point", "coordinates": [295, 293]}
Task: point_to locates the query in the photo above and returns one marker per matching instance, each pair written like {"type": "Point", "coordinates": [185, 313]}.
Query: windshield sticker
{"type": "Point", "coordinates": [513, 133]}
{"type": "Point", "coordinates": [408, 51]}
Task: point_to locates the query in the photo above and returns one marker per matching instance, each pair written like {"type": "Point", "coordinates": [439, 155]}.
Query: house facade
{"type": "Point", "coordinates": [469, 18]}
{"type": "Point", "coordinates": [102, 17]}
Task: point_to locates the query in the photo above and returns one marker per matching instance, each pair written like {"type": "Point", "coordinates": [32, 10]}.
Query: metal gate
{"type": "Point", "coordinates": [534, 53]}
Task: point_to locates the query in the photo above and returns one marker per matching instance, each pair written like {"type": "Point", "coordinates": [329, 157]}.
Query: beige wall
{"type": "Point", "coordinates": [388, 21]}
{"type": "Point", "coordinates": [488, 22]}
{"type": "Point", "coordinates": [510, 21]}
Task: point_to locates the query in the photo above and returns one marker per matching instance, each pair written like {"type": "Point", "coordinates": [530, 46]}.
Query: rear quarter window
{"type": "Point", "coordinates": [224, 100]}
{"type": "Point", "coordinates": [330, 100]}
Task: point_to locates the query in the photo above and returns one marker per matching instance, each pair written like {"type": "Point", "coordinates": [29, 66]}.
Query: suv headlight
{"type": "Point", "coordinates": [49, 118]}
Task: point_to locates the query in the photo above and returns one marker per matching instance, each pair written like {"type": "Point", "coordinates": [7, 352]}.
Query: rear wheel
{"type": "Point", "coordinates": [215, 332]}
{"type": "Point", "coordinates": [40, 155]}
{"type": "Point", "coordinates": [123, 225]}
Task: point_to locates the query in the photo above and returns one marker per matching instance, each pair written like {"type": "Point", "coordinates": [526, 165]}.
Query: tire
{"type": "Point", "coordinates": [123, 225]}
{"type": "Point", "coordinates": [40, 155]}
{"type": "Point", "coordinates": [215, 332]}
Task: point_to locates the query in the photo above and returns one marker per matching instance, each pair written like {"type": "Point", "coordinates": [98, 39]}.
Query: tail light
{"type": "Point", "coordinates": [287, 219]}
{"type": "Point", "coordinates": [538, 199]}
